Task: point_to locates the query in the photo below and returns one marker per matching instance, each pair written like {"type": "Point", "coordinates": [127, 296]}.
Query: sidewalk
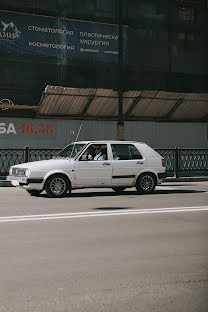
{"type": "Point", "coordinates": [4, 183]}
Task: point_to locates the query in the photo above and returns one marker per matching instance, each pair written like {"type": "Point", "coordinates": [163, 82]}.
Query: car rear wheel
{"type": "Point", "coordinates": [57, 186]}
{"type": "Point", "coordinates": [146, 183]}
{"type": "Point", "coordinates": [118, 189]}
{"type": "Point", "coordinates": [34, 192]}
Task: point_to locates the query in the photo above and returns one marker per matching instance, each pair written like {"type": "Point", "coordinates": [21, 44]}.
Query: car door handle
{"type": "Point", "coordinates": [139, 162]}
{"type": "Point", "coordinates": [106, 164]}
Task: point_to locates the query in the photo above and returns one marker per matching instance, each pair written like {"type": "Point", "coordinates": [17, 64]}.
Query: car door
{"type": "Point", "coordinates": [126, 164]}
{"type": "Point", "coordinates": [93, 173]}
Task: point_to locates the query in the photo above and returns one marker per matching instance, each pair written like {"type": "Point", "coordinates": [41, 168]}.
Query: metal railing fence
{"type": "Point", "coordinates": [10, 157]}
{"type": "Point", "coordinates": [178, 160]}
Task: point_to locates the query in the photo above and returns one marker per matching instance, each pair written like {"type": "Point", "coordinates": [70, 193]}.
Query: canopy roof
{"type": "Point", "coordinates": [98, 104]}
{"type": "Point", "coordinates": [137, 105]}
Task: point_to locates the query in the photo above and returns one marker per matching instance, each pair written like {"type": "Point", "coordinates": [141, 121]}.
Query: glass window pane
{"type": "Point", "coordinates": [71, 150]}
{"type": "Point", "coordinates": [134, 153]}
{"type": "Point", "coordinates": [96, 152]}
{"type": "Point", "coordinates": [120, 152]}
{"type": "Point", "coordinates": [125, 152]}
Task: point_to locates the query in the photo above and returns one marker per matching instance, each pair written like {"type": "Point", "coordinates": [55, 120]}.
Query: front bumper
{"type": "Point", "coordinates": [27, 183]}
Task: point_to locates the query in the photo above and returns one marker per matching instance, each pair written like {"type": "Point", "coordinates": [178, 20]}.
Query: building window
{"type": "Point", "coordinates": [187, 14]}
{"type": "Point", "coordinates": [153, 34]}
{"type": "Point", "coordinates": [201, 3]}
{"type": "Point", "coordinates": [186, 36]}
{"type": "Point", "coordinates": [147, 9]}
{"type": "Point", "coordinates": [190, 36]}
{"type": "Point", "coordinates": [100, 7]}
{"type": "Point", "coordinates": [104, 5]}
{"type": "Point", "coordinates": [181, 36]}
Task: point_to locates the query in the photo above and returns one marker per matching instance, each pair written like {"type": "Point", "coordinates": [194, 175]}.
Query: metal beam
{"type": "Point", "coordinates": [84, 95]}
{"type": "Point", "coordinates": [133, 105]}
{"type": "Point", "coordinates": [89, 102]}
{"type": "Point", "coordinates": [18, 107]}
{"type": "Point", "coordinates": [120, 123]}
{"type": "Point", "coordinates": [173, 109]}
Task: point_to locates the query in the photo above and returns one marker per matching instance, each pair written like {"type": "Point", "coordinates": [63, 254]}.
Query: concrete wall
{"type": "Point", "coordinates": [169, 134]}
{"type": "Point", "coordinates": [52, 133]}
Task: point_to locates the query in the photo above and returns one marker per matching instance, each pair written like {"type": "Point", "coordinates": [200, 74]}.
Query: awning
{"type": "Point", "coordinates": [137, 105]}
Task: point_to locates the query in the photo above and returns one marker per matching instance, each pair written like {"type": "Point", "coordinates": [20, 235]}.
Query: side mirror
{"type": "Point", "coordinates": [84, 158]}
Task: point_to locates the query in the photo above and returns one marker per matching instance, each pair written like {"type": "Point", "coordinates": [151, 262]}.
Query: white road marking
{"type": "Point", "coordinates": [101, 214]}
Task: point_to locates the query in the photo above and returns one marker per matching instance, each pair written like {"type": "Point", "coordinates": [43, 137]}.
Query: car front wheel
{"type": "Point", "coordinates": [57, 186]}
{"type": "Point", "coordinates": [146, 183]}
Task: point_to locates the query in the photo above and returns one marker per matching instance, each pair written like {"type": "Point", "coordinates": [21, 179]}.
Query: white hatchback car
{"type": "Point", "coordinates": [111, 164]}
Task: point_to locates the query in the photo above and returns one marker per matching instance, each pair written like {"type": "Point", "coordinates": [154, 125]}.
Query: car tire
{"type": "Point", "coordinates": [57, 186]}
{"type": "Point", "coordinates": [34, 192]}
{"type": "Point", "coordinates": [118, 189]}
{"type": "Point", "coordinates": [146, 183]}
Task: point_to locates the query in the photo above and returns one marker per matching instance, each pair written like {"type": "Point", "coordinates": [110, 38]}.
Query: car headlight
{"type": "Point", "coordinates": [20, 172]}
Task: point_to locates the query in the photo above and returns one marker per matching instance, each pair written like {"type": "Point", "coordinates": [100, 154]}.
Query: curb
{"type": "Point", "coordinates": [186, 179]}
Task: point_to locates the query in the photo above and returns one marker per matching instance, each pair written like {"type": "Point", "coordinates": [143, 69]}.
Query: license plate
{"type": "Point", "coordinates": [15, 182]}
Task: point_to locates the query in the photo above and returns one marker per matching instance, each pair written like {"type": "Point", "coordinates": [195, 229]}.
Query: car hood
{"type": "Point", "coordinates": [58, 163]}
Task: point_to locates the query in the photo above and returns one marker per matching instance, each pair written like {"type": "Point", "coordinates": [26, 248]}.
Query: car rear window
{"type": "Point", "coordinates": [125, 152]}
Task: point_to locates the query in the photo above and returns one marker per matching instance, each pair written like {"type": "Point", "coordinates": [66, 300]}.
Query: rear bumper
{"type": "Point", "coordinates": [162, 175]}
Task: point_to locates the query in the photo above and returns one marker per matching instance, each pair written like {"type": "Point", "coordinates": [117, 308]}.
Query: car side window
{"type": "Point", "coordinates": [95, 152]}
{"type": "Point", "coordinates": [134, 153]}
{"type": "Point", "coordinates": [125, 152]}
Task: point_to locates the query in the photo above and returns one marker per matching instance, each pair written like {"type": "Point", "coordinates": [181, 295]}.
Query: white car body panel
{"type": "Point", "coordinates": [125, 171]}
{"type": "Point", "coordinates": [91, 173]}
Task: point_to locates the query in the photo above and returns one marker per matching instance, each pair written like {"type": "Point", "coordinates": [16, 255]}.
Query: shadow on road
{"type": "Point", "coordinates": [125, 193]}
{"type": "Point", "coordinates": [105, 193]}
{"type": "Point", "coordinates": [177, 191]}
{"type": "Point", "coordinates": [177, 184]}
{"type": "Point", "coordinates": [111, 208]}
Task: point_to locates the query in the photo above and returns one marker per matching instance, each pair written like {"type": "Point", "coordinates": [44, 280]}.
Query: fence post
{"type": "Point", "coordinates": [177, 162]}
{"type": "Point", "coordinates": [26, 154]}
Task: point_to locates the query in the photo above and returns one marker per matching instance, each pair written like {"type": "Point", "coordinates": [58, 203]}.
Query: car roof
{"type": "Point", "coordinates": [106, 141]}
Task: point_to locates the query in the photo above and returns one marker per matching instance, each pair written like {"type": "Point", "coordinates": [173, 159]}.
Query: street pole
{"type": "Point", "coordinates": [120, 123]}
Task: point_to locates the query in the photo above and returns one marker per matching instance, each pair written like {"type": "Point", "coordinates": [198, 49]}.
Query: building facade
{"type": "Point", "coordinates": [166, 43]}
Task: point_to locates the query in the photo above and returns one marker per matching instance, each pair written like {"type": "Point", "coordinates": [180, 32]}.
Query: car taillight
{"type": "Point", "coordinates": [163, 162]}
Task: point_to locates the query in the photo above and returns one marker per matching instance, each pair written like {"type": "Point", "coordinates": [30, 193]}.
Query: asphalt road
{"type": "Point", "coordinates": [99, 251]}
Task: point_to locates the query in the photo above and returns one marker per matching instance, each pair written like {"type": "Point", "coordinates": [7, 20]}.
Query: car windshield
{"type": "Point", "coordinates": [71, 150]}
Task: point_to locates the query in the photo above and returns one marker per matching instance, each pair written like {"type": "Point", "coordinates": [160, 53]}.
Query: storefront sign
{"type": "Point", "coordinates": [25, 34]}
{"type": "Point", "coordinates": [34, 128]}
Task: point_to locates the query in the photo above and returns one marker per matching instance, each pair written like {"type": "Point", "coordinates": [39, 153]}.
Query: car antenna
{"type": "Point", "coordinates": [76, 140]}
